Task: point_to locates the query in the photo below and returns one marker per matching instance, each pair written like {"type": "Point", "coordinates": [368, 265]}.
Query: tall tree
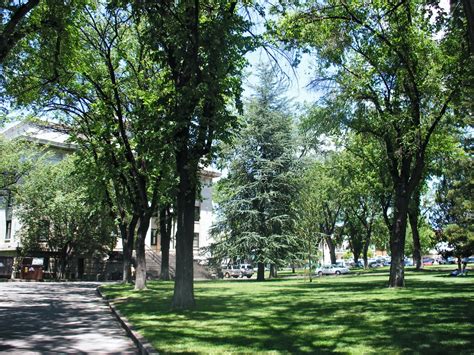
{"type": "Point", "coordinates": [201, 43]}
{"type": "Point", "coordinates": [368, 195]}
{"type": "Point", "coordinates": [255, 198]}
{"type": "Point", "coordinates": [324, 186]}
{"type": "Point", "coordinates": [115, 99]}
{"type": "Point", "coordinates": [390, 78]}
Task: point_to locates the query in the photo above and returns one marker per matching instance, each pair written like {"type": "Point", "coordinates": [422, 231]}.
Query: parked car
{"type": "Point", "coordinates": [359, 263]}
{"type": "Point", "coordinates": [238, 270]}
{"type": "Point", "coordinates": [451, 260]}
{"type": "Point", "coordinates": [246, 270]}
{"type": "Point", "coordinates": [468, 260]}
{"type": "Point", "coordinates": [428, 261]}
{"type": "Point", "coordinates": [331, 270]}
{"type": "Point", "coordinates": [387, 262]}
{"type": "Point", "coordinates": [375, 263]}
{"type": "Point", "coordinates": [448, 260]}
{"type": "Point", "coordinates": [231, 271]}
{"type": "Point", "coordinates": [408, 262]}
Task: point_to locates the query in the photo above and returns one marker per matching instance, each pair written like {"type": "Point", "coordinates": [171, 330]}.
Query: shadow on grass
{"type": "Point", "coordinates": [333, 315]}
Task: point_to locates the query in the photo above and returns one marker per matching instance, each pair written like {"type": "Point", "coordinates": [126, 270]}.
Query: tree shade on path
{"type": "Point", "coordinates": [58, 318]}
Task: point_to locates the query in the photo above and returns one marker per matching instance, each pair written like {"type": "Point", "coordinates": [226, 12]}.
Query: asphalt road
{"type": "Point", "coordinates": [64, 317]}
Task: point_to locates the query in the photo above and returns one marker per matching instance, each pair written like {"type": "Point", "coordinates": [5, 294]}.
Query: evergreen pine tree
{"type": "Point", "coordinates": [255, 198]}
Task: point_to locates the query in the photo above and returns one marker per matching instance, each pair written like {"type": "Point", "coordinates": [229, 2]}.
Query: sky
{"type": "Point", "coordinates": [298, 78]}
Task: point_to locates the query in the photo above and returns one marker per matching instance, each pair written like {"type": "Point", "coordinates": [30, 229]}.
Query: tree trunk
{"type": "Point", "coordinates": [468, 6]}
{"type": "Point", "coordinates": [273, 271]}
{"type": "Point", "coordinates": [332, 249]}
{"type": "Point", "coordinates": [356, 250]}
{"type": "Point", "coordinates": [62, 268]}
{"type": "Point", "coordinates": [366, 244]}
{"type": "Point", "coordinates": [397, 237]}
{"type": "Point", "coordinates": [127, 261]}
{"type": "Point", "coordinates": [260, 272]}
{"type": "Point", "coordinates": [165, 234]}
{"type": "Point", "coordinates": [413, 217]}
{"type": "Point", "coordinates": [63, 262]}
{"type": "Point", "coordinates": [365, 256]}
{"type": "Point", "coordinates": [183, 297]}
{"type": "Point", "coordinates": [413, 214]}
{"type": "Point", "coordinates": [140, 270]}
{"type": "Point", "coordinates": [128, 236]}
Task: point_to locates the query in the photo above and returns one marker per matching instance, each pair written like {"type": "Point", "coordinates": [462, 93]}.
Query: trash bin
{"type": "Point", "coordinates": [32, 269]}
{"type": "Point", "coordinates": [38, 273]}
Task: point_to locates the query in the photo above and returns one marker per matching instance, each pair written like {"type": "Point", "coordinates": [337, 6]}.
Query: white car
{"type": "Point", "coordinates": [331, 270]}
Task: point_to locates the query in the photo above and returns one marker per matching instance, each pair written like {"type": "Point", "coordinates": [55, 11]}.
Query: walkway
{"type": "Point", "coordinates": [58, 317]}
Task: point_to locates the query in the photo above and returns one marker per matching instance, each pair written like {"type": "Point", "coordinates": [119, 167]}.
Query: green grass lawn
{"type": "Point", "coordinates": [348, 314]}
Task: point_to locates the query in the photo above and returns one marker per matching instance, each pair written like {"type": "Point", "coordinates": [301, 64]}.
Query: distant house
{"type": "Point", "coordinates": [57, 143]}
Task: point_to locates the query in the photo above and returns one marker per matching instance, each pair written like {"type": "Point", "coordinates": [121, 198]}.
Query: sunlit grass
{"type": "Point", "coordinates": [349, 314]}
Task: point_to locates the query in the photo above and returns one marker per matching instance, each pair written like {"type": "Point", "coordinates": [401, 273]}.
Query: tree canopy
{"type": "Point", "coordinates": [387, 75]}
{"type": "Point", "coordinates": [62, 215]}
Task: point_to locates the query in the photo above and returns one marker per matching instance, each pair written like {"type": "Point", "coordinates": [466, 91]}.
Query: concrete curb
{"type": "Point", "coordinates": [144, 346]}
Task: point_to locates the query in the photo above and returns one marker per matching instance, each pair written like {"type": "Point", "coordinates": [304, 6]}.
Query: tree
{"type": "Point", "coordinates": [307, 210]}
{"type": "Point", "coordinates": [364, 195]}
{"type": "Point", "coordinates": [323, 187]}
{"type": "Point", "coordinates": [255, 198]}
{"type": "Point", "coordinates": [194, 58]}
{"type": "Point", "coordinates": [388, 77]}
{"type": "Point", "coordinates": [33, 34]}
{"type": "Point", "coordinates": [14, 24]}
{"type": "Point", "coordinates": [201, 45]}
{"type": "Point", "coordinates": [427, 239]}
{"type": "Point", "coordinates": [18, 158]}
{"type": "Point", "coordinates": [116, 197]}
{"type": "Point", "coordinates": [166, 223]}
{"type": "Point", "coordinates": [453, 217]}
{"type": "Point", "coordinates": [116, 105]}
{"type": "Point", "coordinates": [60, 214]}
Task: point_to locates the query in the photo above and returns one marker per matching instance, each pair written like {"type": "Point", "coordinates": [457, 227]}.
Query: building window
{"type": "Point", "coordinates": [197, 213]}
{"type": "Point", "coordinates": [196, 241]}
{"type": "Point", "coordinates": [9, 207]}
{"type": "Point", "coordinates": [154, 236]}
{"type": "Point", "coordinates": [8, 233]}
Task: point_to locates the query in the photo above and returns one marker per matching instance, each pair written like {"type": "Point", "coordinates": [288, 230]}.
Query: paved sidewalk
{"type": "Point", "coordinates": [64, 317]}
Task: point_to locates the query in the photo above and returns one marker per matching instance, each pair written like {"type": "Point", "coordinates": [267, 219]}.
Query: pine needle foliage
{"type": "Point", "coordinates": [256, 213]}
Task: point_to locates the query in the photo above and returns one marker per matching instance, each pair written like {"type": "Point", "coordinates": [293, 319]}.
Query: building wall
{"type": "Point", "coordinates": [8, 247]}
{"type": "Point", "coordinates": [201, 226]}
